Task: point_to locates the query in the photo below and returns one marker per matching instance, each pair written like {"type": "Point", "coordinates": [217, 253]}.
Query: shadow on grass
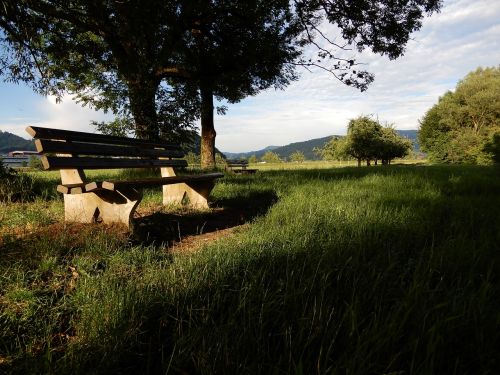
{"type": "Point", "coordinates": [353, 302]}
{"type": "Point", "coordinates": [166, 228]}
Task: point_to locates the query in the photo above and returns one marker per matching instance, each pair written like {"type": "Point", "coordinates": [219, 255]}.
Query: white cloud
{"type": "Point", "coordinates": [52, 114]}
{"type": "Point", "coordinates": [68, 114]}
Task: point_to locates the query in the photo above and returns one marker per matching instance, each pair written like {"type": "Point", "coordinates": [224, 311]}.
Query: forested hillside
{"type": "Point", "coordinates": [11, 142]}
{"type": "Point", "coordinates": [307, 147]}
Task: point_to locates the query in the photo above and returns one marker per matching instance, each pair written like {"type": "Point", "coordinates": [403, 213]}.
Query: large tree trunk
{"type": "Point", "coordinates": [142, 98]}
{"type": "Point", "coordinates": [207, 128]}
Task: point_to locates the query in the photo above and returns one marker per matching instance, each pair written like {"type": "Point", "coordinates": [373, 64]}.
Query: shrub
{"type": "Point", "coordinates": [15, 186]}
{"type": "Point", "coordinates": [35, 163]}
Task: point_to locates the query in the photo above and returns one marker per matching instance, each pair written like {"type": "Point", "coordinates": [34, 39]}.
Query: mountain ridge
{"type": "Point", "coordinates": [307, 147]}
{"type": "Point", "coordinates": [11, 142]}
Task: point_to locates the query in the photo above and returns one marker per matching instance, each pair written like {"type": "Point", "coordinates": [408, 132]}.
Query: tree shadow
{"type": "Point", "coordinates": [164, 228]}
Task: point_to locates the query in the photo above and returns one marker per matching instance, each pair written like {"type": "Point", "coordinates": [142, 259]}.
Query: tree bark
{"type": "Point", "coordinates": [142, 98]}
{"type": "Point", "coordinates": [207, 128]}
{"type": "Point", "coordinates": [359, 162]}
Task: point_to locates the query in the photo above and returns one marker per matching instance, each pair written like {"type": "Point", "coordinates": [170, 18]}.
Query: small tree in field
{"type": "Point", "coordinates": [252, 159]}
{"type": "Point", "coordinates": [363, 135]}
{"type": "Point", "coordinates": [334, 149]}
{"type": "Point", "coordinates": [367, 140]}
{"type": "Point", "coordinates": [392, 145]}
{"type": "Point", "coordinates": [297, 157]}
{"type": "Point", "coordinates": [271, 157]}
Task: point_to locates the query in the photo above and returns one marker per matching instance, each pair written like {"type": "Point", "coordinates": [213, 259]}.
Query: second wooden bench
{"type": "Point", "coordinates": [239, 166]}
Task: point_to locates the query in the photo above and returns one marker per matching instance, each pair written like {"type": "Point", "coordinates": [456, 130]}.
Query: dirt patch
{"type": "Point", "coordinates": [191, 244]}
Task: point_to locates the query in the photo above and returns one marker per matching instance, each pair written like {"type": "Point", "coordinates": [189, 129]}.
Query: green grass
{"type": "Point", "coordinates": [349, 271]}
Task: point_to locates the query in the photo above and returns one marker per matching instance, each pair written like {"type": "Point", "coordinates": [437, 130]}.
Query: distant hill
{"type": "Point", "coordinates": [285, 151]}
{"type": "Point", "coordinates": [307, 147]}
{"type": "Point", "coordinates": [11, 142]}
{"type": "Point", "coordinates": [258, 153]}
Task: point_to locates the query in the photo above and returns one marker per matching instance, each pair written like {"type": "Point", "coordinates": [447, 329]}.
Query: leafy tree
{"type": "Point", "coordinates": [363, 138]}
{"type": "Point", "coordinates": [35, 162]}
{"type": "Point", "coordinates": [297, 157]}
{"type": "Point", "coordinates": [493, 147]}
{"type": "Point", "coordinates": [367, 140]}
{"type": "Point", "coordinates": [459, 128]}
{"type": "Point", "coordinates": [334, 149]}
{"type": "Point", "coordinates": [391, 145]}
{"type": "Point", "coordinates": [271, 157]}
{"type": "Point", "coordinates": [100, 51]}
{"type": "Point", "coordinates": [252, 159]}
{"type": "Point", "coordinates": [136, 58]}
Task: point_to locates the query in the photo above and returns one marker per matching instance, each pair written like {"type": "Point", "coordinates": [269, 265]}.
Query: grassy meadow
{"type": "Point", "coordinates": [372, 270]}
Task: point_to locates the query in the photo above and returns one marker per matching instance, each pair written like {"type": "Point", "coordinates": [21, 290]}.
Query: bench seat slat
{"type": "Point", "coordinates": [70, 135]}
{"type": "Point", "coordinates": [244, 171]}
{"type": "Point", "coordinates": [71, 188]}
{"type": "Point", "coordinates": [45, 146]}
{"type": "Point", "coordinates": [149, 182]}
{"type": "Point", "coordinates": [51, 163]}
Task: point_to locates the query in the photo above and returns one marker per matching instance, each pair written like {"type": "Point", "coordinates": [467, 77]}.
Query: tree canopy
{"type": "Point", "coordinates": [271, 157]}
{"type": "Point", "coordinates": [367, 140]}
{"type": "Point", "coordinates": [462, 126]}
{"type": "Point", "coordinates": [297, 157]}
{"type": "Point", "coordinates": [161, 63]}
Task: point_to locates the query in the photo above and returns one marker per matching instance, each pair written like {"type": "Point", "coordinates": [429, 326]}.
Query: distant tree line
{"type": "Point", "coordinates": [367, 140]}
{"type": "Point", "coordinates": [464, 126]}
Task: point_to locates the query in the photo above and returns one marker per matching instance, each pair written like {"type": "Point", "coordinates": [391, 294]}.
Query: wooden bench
{"type": "Point", "coordinates": [238, 166]}
{"type": "Point", "coordinates": [114, 201]}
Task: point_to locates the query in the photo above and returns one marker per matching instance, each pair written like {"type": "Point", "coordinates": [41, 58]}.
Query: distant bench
{"type": "Point", "coordinates": [114, 201]}
{"type": "Point", "coordinates": [238, 166]}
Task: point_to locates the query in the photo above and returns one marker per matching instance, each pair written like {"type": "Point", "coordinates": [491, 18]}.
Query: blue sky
{"type": "Point", "coordinates": [462, 37]}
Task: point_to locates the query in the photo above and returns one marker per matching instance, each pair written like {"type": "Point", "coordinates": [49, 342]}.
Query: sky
{"type": "Point", "coordinates": [462, 37]}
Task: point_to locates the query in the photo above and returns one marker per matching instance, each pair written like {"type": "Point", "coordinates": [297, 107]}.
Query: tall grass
{"type": "Point", "coordinates": [363, 270]}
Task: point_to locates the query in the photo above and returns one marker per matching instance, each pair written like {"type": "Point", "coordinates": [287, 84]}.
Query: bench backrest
{"type": "Point", "coordinates": [77, 150]}
{"type": "Point", "coordinates": [236, 163]}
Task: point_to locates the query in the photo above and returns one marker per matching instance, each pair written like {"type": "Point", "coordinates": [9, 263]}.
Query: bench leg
{"type": "Point", "coordinates": [80, 208]}
{"type": "Point", "coordinates": [106, 206]}
{"type": "Point", "coordinates": [197, 193]}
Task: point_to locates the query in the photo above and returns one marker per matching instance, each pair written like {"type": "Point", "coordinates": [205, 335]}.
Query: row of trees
{"type": "Point", "coordinates": [464, 126]}
{"type": "Point", "coordinates": [273, 157]}
{"type": "Point", "coordinates": [367, 140]}
{"type": "Point", "coordinates": [268, 157]}
{"type": "Point", "coordinates": [158, 65]}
